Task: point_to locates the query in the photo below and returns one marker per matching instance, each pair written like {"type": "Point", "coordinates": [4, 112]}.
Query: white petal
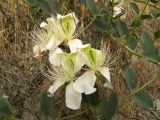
{"type": "Point", "coordinates": [51, 44]}
{"type": "Point", "coordinates": [43, 24]}
{"type": "Point", "coordinates": [117, 10]}
{"type": "Point", "coordinates": [75, 45]}
{"type": "Point", "coordinates": [105, 72]}
{"type": "Point", "coordinates": [85, 83]}
{"type": "Point", "coordinates": [38, 49]}
{"type": "Point", "coordinates": [100, 58]}
{"type": "Point", "coordinates": [59, 16]}
{"type": "Point", "coordinates": [80, 61]}
{"type": "Point", "coordinates": [73, 98]}
{"type": "Point", "coordinates": [55, 56]}
{"type": "Point", "coordinates": [55, 86]}
{"type": "Point", "coordinates": [123, 16]}
{"type": "Point", "coordinates": [108, 85]}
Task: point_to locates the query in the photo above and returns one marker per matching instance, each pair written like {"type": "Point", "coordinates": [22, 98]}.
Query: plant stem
{"type": "Point", "coordinates": [140, 88]}
{"type": "Point", "coordinates": [146, 4]}
{"type": "Point", "coordinates": [132, 51]}
{"type": "Point", "coordinates": [72, 116]}
{"type": "Point", "coordinates": [139, 1]}
{"type": "Point", "coordinates": [91, 22]}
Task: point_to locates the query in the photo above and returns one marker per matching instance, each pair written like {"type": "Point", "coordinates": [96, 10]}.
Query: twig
{"type": "Point", "coordinates": [139, 1]}
{"type": "Point", "coordinates": [72, 116]}
{"type": "Point", "coordinates": [140, 88]}
{"type": "Point", "coordinates": [91, 22]}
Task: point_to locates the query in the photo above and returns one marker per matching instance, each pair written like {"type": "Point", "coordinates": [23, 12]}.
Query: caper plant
{"type": "Point", "coordinates": [79, 66]}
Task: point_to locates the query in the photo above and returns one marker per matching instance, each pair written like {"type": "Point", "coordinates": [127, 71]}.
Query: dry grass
{"type": "Point", "coordinates": [21, 77]}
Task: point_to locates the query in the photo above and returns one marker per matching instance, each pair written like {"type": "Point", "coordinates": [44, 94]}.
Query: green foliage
{"type": "Point", "coordinates": [102, 25]}
{"type": "Point", "coordinates": [154, 1]}
{"type": "Point", "coordinates": [131, 78]}
{"type": "Point", "coordinates": [132, 42]}
{"type": "Point", "coordinates": [91, 6]}
{"type": "Point", "coordinates": [40, 8]}
{"type": "Point", "coordinates": [143, 17]}
{"type": "Point", "coordinates": [143, 99]}
{"type": "Point", "coordinates": [157, 34]}
{"type": "Point", "coordinates": [5, 107]}
{"type": "Point", "coordinates": [136, 22]}
{"type": "Point", "coordinates": [46, 104]}
{"type": "Point", "coordinates": [122, 28]}
{"type": "Point", "coordinates": [112, 27]}
{"type": "Point", "coordinates": [148, 43]}
{"type": "Point", "coordinates": [134, 7]}
{"type": "Point", "coordinates": [92, 99]}
{"type": "Point", "coordinates": [109, 106]}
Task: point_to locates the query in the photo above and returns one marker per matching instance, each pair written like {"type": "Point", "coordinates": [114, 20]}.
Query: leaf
{"type": "Point", "coordinates": [148, 44]}
{"type": "Point", "coordinates": [92, 99]}
{"type": "Point", "coordinates": [46, 104]}
{"type": "Point", "coordinates": [157, 15]}
{"type": "Point", "coordinates": [44, 7]}
{"type": "Point", "coordinates": [143, 17]}
{"type": "Point", "coordinates": [5, 107]}
{"type": "Point", "coordinates": [54, 6]}
{"type": "Point", "coordinates": [143, 99]}
{"type": "Point", "coordinates": [157, 34]}
{"type": "Point", "coordinates": [1, 94]}
{"type": "Point", "coordinates": [136, 22]}
{"type": "Point", "coordinates": [91, 6]}
{"type": "Point", "coordinates": [152, 57]}
{"type": "Point", "coordinates": [146, 37]}
{"type": "Point", "coordinates": [32, 2]}
{"type": "Point", "coordinates": [130, 77]}
{"type": "Point", "coordinates": [134, 7]}
{"type": "Point", "coordinates": [109, 106]}
{"type": "Point", "coordinates": [154, 1]}
{"type": "Point", "coordinates": [35, 14]}
{"type": "Point", "coordinates": [102, 25]}
{"type": "Point", "coordinates": [122, 28]}
{"type": "Point", "coordinates": [132, 42]}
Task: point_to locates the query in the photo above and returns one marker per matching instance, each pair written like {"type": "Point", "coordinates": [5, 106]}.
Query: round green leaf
{"type": "Point", "coordinates": [54, 6]}
{"type": "Point", "coordinates": [5, 107]}
{"type": "Point", "coordinates": [46, 104]}
{"type": "Point", "coordinates": [109, 106]}
{"type": "Point", "coordinates": [136, 22]}
{"type": "Point", "coordinates": [130, 77]}
{"type": "Point", "coordinates": [132, 42]}
{"type": "Point", "coordinates": [122, 28]}
{"type": "Point", "coordinates": [148, 44]}
{"type": "Point", "coordinates": [143, 99]}
{"type": "Point", "coordinates": [91, 6]}
{"type": "Point", "coordinates": [154, 1]}
{"type": "Point", "coordinates": [102, 25]}
{"type": "Point", "coordinates": [134, 7]}
{"type": "Point", "coordinates": [157, 34]}
{"type": "Point", "coordinates": [152, 57]}
{"type": "Point", "coordinates": [92, 99]}
{"type": "Point", "coordinates": [32, 2]}
{"type": "Point", "coordinates": [44, 6]}
{"type": "Point", "coordinates": [143, 17]}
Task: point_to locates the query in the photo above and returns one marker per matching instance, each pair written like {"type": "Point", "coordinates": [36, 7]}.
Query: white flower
{"type": "Point", "coordinates": [55, 56]}
{"type": "Point", "coordinates": [54, 32]}
{"type": "Point", "coordinates": [95, 60]}
{"type": "Point", "coordinates": [66, 73]}
{"type": "Point", "coordinates": [43, 40]}
{"type": "Point", "coordinates": [63, 27]}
